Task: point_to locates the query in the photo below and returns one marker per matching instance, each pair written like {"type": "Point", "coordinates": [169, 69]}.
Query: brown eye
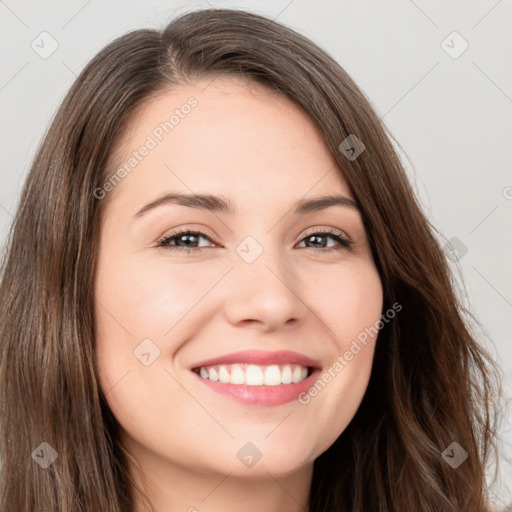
{"type": "Point", "coordinates": [183, 240]}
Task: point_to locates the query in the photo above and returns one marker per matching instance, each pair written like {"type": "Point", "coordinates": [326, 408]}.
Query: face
{"type": "Point", "coordinates": [267, 278]}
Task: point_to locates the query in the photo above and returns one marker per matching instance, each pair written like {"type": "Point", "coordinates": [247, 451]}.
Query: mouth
{"type": "Point", "coordinates": [255, 375]}
{"type": "Point", "coordinates": [255, 393]}
{"type": "Point", "coordinates": [259, 371]}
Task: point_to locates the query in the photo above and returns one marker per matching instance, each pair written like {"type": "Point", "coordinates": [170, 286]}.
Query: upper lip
{"type": "Point", "coordinates": [260, 357]}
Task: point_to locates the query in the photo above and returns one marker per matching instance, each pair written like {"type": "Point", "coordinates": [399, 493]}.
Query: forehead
{"type": "Point", "coordinates": [223, 135]}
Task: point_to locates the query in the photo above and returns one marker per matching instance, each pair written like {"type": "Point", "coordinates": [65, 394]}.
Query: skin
{"type": "Point", "coordinates": [259, 150]}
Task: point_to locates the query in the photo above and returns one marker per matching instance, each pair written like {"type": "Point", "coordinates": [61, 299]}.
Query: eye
{"type": "Point", "coordinates": [186, 240]}
{"type": "Point", "coordinates": [317, 236]}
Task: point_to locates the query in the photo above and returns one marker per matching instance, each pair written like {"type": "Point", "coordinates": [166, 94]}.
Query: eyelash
{"type": "Point", "coordinates": [345, 243]}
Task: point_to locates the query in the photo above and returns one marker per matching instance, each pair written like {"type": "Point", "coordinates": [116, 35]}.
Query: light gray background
{"type": "Point", "coordinates": [452, 116]}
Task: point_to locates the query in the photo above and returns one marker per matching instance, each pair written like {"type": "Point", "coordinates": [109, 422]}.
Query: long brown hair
{"type": "Point", "coordinates": [431, 383]}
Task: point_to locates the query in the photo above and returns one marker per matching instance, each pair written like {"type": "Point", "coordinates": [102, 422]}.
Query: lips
{"type": "Point", "coordinates": [260, 357]}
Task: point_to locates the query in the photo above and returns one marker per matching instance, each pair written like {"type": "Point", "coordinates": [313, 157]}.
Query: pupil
{"type": "Point", "coordinates": [183, 237]}
{"type": "Point", "coordinates": [315, 238]}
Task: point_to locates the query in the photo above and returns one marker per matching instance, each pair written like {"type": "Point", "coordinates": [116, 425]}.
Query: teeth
{"type": "Point", "coordinates": [223, 374]}
{"type": "Point", "coordinates": [237, 375]}
{"type": "Point", "coordinates": [212, 374]}
{"type": "Point", "coordinates": [255, 375]}
{"type": "Point", "coordinates": [286, 375]}
{"type": "Point", "coordinates": [272, 376]}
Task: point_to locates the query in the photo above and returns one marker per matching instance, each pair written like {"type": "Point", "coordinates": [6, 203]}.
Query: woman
{"type": "Point", "coordinates": [254, 372]}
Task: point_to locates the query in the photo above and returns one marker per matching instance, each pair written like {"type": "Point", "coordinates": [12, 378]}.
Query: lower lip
{"type": "Point", "coordinates": [262, 395]}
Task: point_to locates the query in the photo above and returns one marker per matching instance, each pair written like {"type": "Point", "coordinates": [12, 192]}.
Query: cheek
{"type": "Point", "coordinates": [351, 306]}
{"type": "Point", "coordinates": [348, 299]}
{"type": "Point", "coordinates": [141, 305]}
{"type": "Point", "coordinates": [137, 302]}
{"type": "Point", "coordinates": [149, 300]}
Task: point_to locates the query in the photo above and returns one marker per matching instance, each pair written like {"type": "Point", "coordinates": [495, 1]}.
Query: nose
{"type": "Point", "coordinates": [265, 294]}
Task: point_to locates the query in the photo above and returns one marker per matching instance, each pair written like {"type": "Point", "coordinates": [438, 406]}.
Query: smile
{"type": "Point", "coordinates": [254, 375]}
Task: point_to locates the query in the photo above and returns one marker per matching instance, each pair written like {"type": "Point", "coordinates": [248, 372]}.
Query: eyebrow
{"type": "Point", "coordinates": [223, 205]}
